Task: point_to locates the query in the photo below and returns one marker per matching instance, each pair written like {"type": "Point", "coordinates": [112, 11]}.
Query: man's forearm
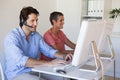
{"type": "Point", "coordinates": [60, 55]}
{"type": "Point", "coordinates": [33, 62]}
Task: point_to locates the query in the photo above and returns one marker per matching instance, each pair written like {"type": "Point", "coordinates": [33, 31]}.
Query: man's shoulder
{"type": "Point", "coordinates": [48, 32]}
{"type": "Point", "coordinates": [13, 33]}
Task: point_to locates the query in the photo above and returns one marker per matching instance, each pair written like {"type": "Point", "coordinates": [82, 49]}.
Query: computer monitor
{"type": "Point", "coordinates": [105, 47]}
{"type": "Point", "coordinates": [107, 31]}
{"type": "Point", "coordinates": [91, 30]}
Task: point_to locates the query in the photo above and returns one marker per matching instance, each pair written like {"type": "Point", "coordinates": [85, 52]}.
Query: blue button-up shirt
{"type": "Point", "coordinates": [18, 50]}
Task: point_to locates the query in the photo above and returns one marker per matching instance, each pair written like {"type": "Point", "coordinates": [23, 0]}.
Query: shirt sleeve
{"type": "Point", "coordinates": [13, 52]}
{"type": "Point", "coordinates": [46, 49]}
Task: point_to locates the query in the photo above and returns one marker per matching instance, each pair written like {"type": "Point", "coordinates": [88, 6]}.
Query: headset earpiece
{"type": "Point", "coordinates": [23, 22]}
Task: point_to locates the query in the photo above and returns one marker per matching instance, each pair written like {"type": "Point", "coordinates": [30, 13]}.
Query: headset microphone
{"type": "Point", "coordinates": [27, 25]}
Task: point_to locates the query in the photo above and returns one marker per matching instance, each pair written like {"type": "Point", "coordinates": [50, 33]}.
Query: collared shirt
{"type": "Point", "coordinates": [51, 39]}
{"type": "Point", "coordinates": [59, 41]}
{"type": "Point", "coordinates": [18, 50]}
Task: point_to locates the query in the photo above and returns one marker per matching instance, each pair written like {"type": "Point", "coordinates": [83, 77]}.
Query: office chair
{"type": "Point", "coordinates": [2, 76]}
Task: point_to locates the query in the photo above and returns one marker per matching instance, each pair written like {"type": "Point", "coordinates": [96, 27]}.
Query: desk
{"type": "Point", "coordinates": [76, 73]}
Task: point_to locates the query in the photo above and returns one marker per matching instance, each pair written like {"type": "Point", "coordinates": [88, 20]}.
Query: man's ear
{"type": "Point", "coordinates": [54, 21]}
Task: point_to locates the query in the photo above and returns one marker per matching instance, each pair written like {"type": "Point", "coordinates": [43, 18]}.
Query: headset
{"type": "Point", "coordinates": [23, 22]}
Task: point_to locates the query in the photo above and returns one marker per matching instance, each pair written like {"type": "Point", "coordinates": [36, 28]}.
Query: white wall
{"type": "Point", "coordinates": [72, 14]}
{"type": "Point", "coordinates": [9, 14]}
{"type": "Point", "coordinates": [116, 29]}
{"type": "Point", "coordinates": [115, 3]}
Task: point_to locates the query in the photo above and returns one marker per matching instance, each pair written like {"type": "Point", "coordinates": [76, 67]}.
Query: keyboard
{"type": "Point", "coordinates": [65, 67]}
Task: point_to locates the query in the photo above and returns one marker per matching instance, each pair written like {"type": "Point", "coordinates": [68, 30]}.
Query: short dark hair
{"type": "Point", "coordinates": [54, 16]}
{"type": "Point", "coordinates": [24, 14]}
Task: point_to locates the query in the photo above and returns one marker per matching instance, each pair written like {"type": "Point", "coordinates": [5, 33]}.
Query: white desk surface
{"type": "Point", "coordinates": [75, 73]}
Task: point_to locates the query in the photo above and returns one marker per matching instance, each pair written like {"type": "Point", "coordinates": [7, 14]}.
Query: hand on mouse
{"type": "Point", "coordinates": [68, 57]}
{"type": "Point", "coordinates": [63, 56]}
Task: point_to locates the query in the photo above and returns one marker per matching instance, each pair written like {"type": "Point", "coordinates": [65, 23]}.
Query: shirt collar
{"type": "Point", "coordinates": [23, 34]}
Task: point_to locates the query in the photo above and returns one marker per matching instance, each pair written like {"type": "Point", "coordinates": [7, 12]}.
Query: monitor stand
{"type": "Point", "coordinates": [96, 58]}
{"type": "Point", "coordinates": [111, 54]}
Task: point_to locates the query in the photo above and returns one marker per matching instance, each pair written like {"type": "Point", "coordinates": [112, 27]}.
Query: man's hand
{"type": "Point", "coordinates": [63, 56]}
{"type": "Point", "coordinates": [68, 57]}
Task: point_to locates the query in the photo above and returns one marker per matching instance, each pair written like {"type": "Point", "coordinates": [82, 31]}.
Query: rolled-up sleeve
{"type": "Point", "coordinates": [46, 49]}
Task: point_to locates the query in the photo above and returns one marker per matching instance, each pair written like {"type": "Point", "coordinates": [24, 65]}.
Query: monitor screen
{"type": "Point", "coordinates": [91, 30]}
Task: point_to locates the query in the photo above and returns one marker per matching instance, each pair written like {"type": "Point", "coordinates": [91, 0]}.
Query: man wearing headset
{"type": "Point", "coordinates": [23, 45]}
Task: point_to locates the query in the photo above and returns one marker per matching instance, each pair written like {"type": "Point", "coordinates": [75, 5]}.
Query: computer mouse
{"type": "Point", "coordinates": [61, 71]}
